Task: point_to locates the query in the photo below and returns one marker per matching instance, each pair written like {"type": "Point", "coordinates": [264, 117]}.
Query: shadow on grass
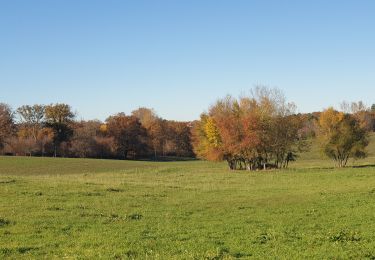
{"type": "Point", "coordinates": [364, 166]}
{"type": "Point", "coordinates": [312, 167]}
{"type": "Point", "coordinates": [168, 159]}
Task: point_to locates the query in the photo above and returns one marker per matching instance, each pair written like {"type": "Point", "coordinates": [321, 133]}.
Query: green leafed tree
{"type": "Point", "coordinates": [6, 123]}
{"type": "Point", "coordinates": [341, 137]}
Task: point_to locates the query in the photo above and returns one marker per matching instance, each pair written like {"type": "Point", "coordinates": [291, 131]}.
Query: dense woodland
{"type": "Point", "coordinates": [253, 132]}
{"type": "Point", "coordinates": [52, 130]}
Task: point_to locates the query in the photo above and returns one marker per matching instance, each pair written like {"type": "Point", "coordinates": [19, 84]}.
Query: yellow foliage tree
{"type": "Point", "coordinates": [341, 136]}
{"type": "Point", "coordinates": [212, 132]}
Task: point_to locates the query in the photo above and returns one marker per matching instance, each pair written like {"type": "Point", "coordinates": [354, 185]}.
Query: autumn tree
{"type": "Point", "coordinates": [252, 132]}
{"type": "Point", "coordinates": [154, 126]}
{"type": "Point", "coordinates": [227, 116]}
{"type": "Point", "coordinates": [59, 117]}
{"type": "Point", "coordinates": [146, 116]}
{"type": "Point", "coordinates": [32, 126]}
{"type": "Point", "coordinates": [341, 136]}
{"type": "Point", "coordinates": [213, 135]}
{"type": "Point", "coordinates": [83, 142]}
{"type": "Point", "coordinates": [165, 137]}
{"type": "Point", "coordinates": [6, 123]}
{"type": "Point", "coordinates": [31, 117]}
{"type": "Point", "coordinates": [45, 140]}
{"type": "Point", "coordinates": [177, 139]}
{"type": "Point", "coordinates": [21, 145]}
{"type": "Point", "coordinates": [361, 112]}
{"type": "Point", "coordinates": [129, 135]}
{"type": "Point", "coordinates": [206, 139]}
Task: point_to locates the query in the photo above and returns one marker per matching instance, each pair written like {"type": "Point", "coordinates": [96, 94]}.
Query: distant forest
{"type": "Point", "coordinates": [249, 133]}
{"type": "Point", "coordinates": [52, 130]}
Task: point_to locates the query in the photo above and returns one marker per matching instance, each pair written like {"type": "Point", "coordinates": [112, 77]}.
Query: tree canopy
{"type": "Point", "coordinates": [341, 136]}
{"type": "Point", "coordinates": [251, 132]}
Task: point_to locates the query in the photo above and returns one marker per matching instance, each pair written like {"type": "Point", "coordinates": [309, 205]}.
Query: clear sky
{"type": "Point", "coordinates": [178, 56]}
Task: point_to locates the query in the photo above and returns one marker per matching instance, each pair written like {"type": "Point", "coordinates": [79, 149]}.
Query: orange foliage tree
{"type": "Point", "coordinates": [250, 133]}
{"type": "Point", "coordinates": [129, 135]}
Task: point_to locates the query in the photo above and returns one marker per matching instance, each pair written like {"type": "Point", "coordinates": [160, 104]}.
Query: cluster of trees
{"type": "Point", "coordinates": [342, 134]}
{"type": "Point", "coordinates": [52, 130]}
{"type": "Point", "coordinates": [263, 131]}
{"type": "Point", "coordinates": [363, 114]}
{"type": "Point", "coordinates": [254, 132]}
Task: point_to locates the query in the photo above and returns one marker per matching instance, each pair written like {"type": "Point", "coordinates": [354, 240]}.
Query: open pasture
{"type": "Point", "coordinates": [81, 208]}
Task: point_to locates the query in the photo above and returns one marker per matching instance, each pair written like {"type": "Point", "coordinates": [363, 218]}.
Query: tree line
{"type": "Point", "coordinates": [259, 131]}
{"type": "Point", "coordinates": [52, 130]}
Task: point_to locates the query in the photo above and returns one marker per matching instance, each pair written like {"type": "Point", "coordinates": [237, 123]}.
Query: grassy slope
{"type": "Point", "coordinates": [314, 158]}
{"type": "Point", "coordinates": [76, 208]}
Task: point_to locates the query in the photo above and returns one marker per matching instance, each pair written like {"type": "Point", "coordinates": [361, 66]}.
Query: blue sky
{"type": "Point", "coordinates": [178, 57]}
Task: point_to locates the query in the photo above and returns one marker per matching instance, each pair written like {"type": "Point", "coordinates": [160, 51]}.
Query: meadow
{"type": "Point", "coordinates": [53, 208]}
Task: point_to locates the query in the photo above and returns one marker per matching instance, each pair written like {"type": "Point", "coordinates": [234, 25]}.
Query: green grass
{"type": "Point", "coordinates": [107, 209]}
{"type": "Point", "coordinates": [314, 157]}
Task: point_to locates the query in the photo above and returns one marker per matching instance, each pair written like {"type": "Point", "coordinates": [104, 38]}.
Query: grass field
{"type": "Point", "coordinates": [106, 209]}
